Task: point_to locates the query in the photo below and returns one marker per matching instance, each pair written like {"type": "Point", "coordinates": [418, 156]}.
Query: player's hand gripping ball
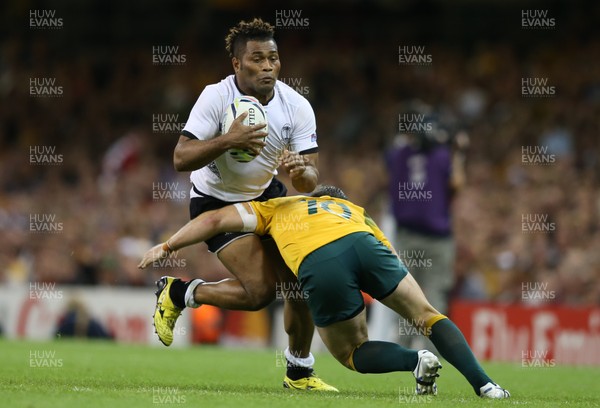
{"type": "Point", "coordinates": [256, 116]}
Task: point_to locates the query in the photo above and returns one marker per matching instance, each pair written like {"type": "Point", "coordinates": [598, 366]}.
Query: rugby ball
{"type": "Point", "coordinates": [256, 116]}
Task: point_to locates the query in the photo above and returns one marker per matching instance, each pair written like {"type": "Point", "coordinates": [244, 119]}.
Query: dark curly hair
{"type": "Point", "coordinates": [331, 191]}
{"type": "Point", "coordinates": [238, 36]}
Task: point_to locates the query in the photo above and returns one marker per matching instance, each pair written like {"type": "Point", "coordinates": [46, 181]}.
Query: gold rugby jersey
{"type": "Point", "coordinates": [300, 225]}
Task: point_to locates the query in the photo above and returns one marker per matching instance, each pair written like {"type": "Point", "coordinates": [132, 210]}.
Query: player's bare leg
{"type": "Point", "coordinates": [298, 325]}
{"type": "Point", "coordinates": [254, 286]}
{"type": "Point", "coordinates": [297, 320]}
{"type": "Point", "coordinates": [409, 301]}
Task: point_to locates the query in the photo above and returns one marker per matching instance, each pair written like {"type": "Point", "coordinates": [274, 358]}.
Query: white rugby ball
{"type": "Point", "coordinates": [256, 116]}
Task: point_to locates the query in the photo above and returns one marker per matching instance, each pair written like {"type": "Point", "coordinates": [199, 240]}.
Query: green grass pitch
{"type": "Point", "coordinates": [67, 373]}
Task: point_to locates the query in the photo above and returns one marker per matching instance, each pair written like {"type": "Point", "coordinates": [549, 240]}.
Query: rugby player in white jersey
{"type": "Point", "coordinates": [218, 180]}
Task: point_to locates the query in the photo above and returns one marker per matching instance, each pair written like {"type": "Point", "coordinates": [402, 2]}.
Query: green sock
{"type": "Point", "coordinates": [452, 345]}
{"type": "Point", "coordinates": [383, 357]}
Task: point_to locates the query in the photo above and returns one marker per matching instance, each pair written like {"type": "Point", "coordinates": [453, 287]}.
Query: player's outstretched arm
{"type": "Point", "coordinates": [201, 228]}
{"type": "Point", "coordinates": [193, 154]}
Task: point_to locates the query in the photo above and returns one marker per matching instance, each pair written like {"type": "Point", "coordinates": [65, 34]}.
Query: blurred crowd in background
{"type": "Point", "coordinates": [101, 197]}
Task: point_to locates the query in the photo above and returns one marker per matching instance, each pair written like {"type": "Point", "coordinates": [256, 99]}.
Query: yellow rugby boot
{"type": "Point", "coordinates": [166, 313]}
{"type": "Point", "coordinates": [310, 383]}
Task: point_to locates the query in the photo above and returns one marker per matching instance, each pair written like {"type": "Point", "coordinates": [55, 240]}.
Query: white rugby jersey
{"type": "Point", "coordinates": [292, 126]}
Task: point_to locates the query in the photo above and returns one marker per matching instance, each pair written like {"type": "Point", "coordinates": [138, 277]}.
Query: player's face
{"type": "Point", "coordinates": [257, 69]}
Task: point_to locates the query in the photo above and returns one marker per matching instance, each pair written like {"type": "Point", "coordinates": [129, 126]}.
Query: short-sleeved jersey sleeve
{"type": "Point", "coordinates": [304, 133]}
{"type": "Point", "coordinates": [206, 115]}
{"type": "Point", "coordinates": [264, 213]}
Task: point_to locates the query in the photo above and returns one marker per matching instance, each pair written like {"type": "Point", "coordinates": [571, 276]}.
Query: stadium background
{"type": "Point", "coordinates": [105, 198]}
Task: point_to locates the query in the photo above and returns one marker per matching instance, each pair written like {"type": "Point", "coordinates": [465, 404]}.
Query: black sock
{"type": "Point", "coordinates": [452, 345]}
{"type": "Point", "coordinates": [177, 292]}
{"type": "Point", "coordinates": [383, 357]}
{"type": "Point", "coordinates": [295, 372]}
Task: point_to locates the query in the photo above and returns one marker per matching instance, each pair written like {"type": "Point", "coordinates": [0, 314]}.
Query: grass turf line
{"type": "Point", "coordinates": [101, 374]}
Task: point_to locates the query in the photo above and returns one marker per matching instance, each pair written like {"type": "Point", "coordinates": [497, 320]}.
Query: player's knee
{"type": "Point", "coordinates": [345, 359]}
{"type": "Point", "coordinates": [428, 312]}
{"type": "Point", "coordinates": [259, 296]}
{"type": "Point", "coordinates": [349, 364]}
{"type": "Point", "coordinates": [423, 311]}
{"type": "Point", "coordinates": [257, 304]}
